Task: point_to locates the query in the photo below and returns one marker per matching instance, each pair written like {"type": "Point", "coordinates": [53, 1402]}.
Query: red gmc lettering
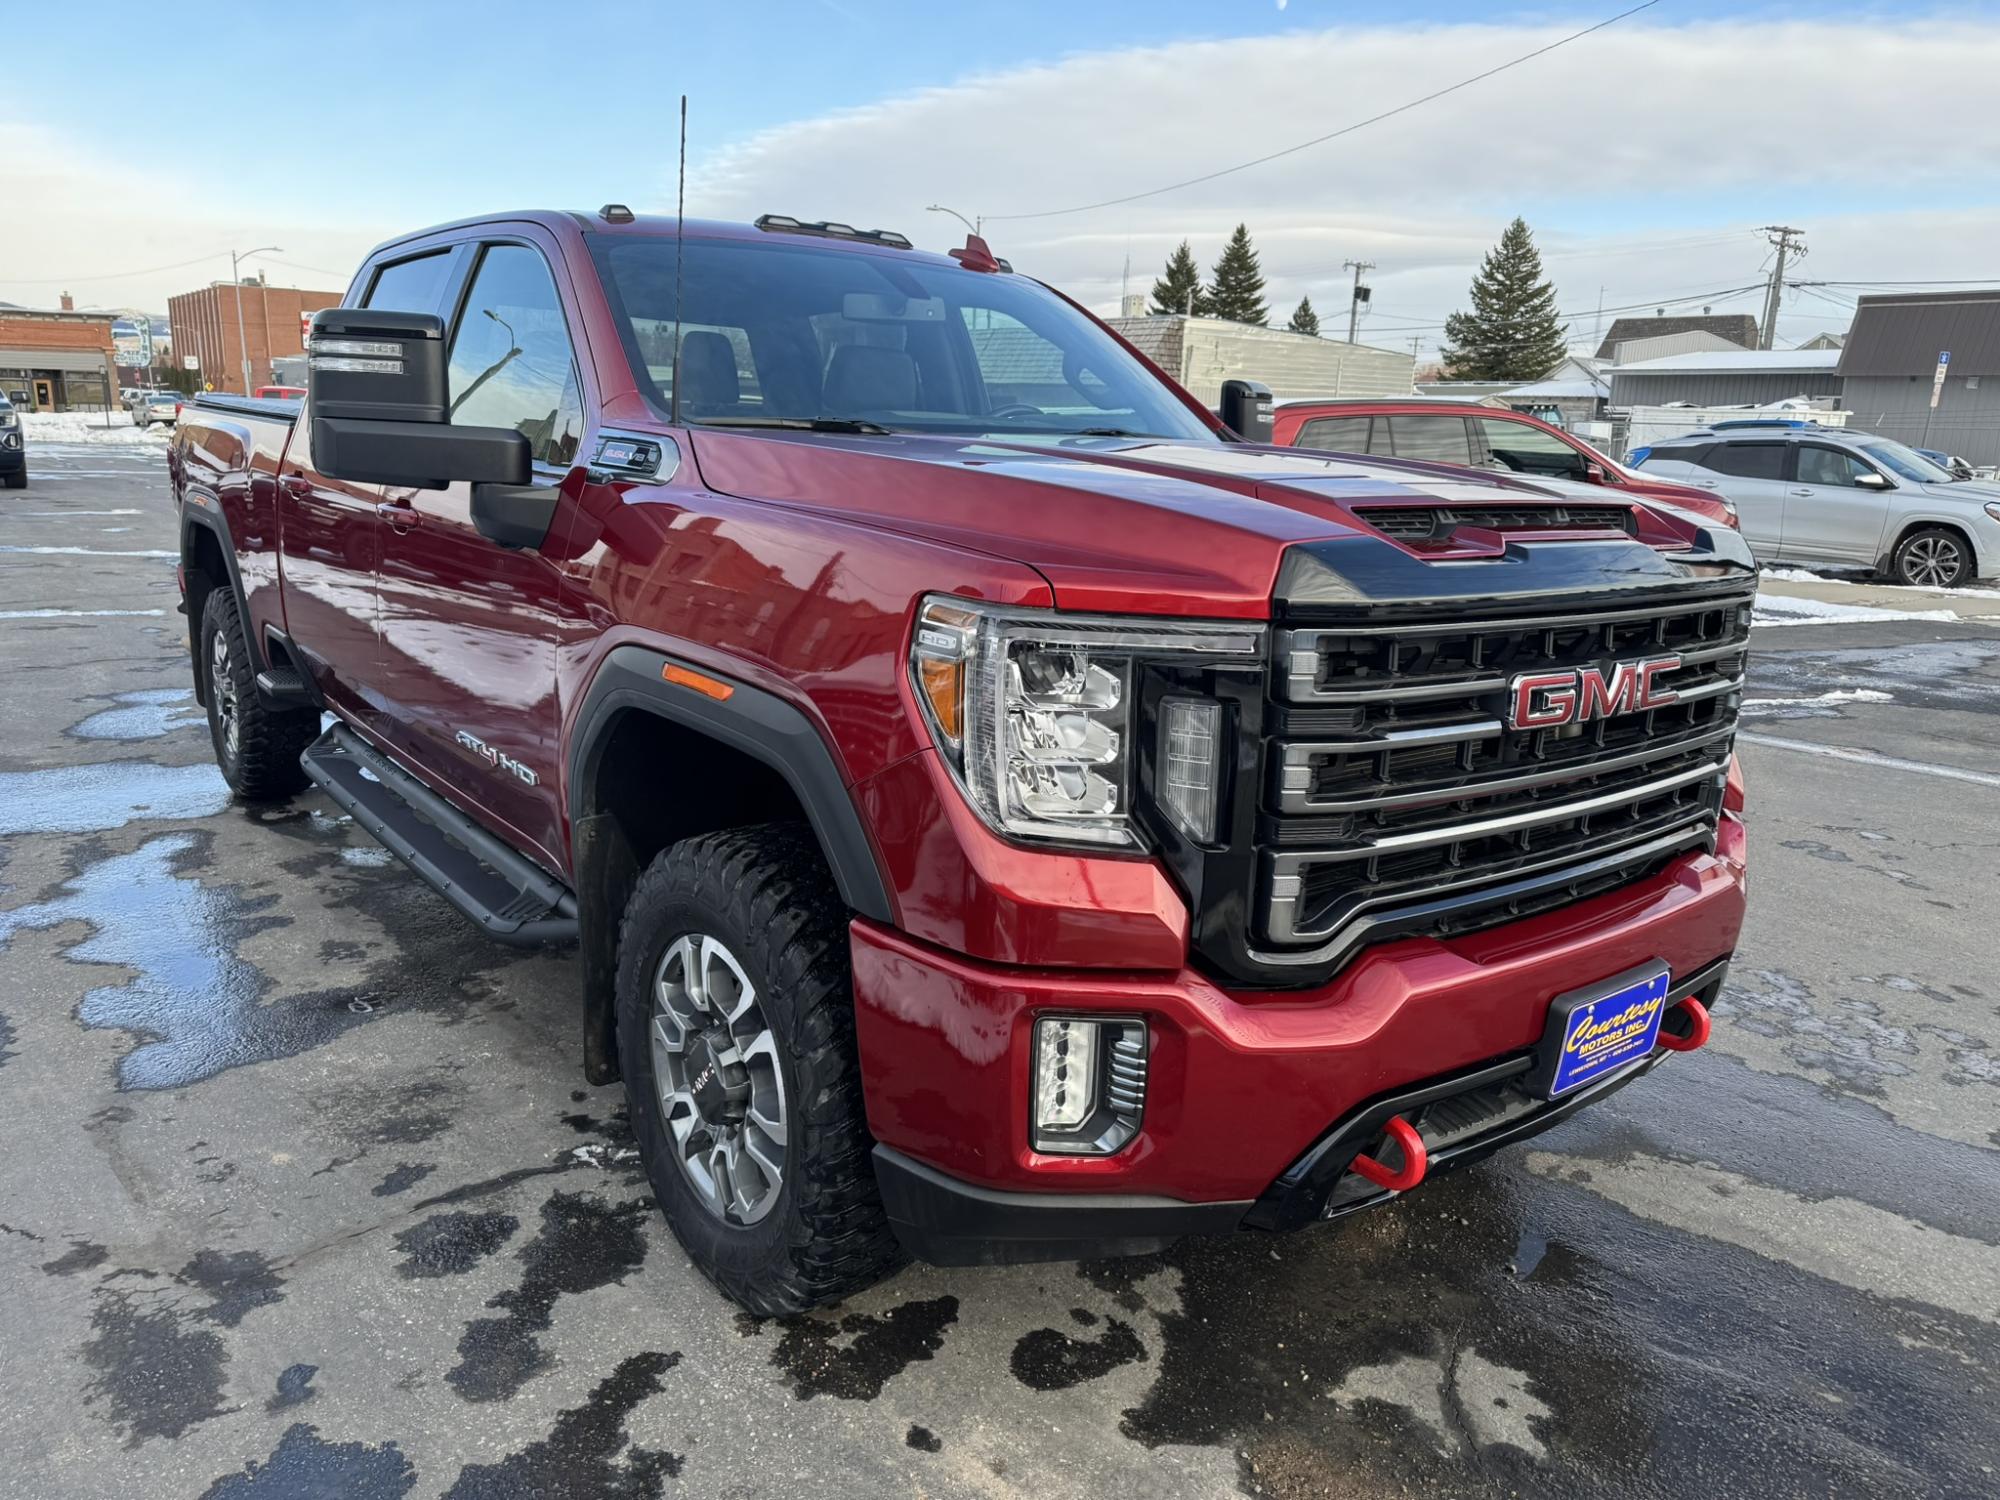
{"type": "Point", "coordinates": [1649, 695]}
{"type": "Point", "coordinates": [1561, 709]}
{"type": "Point", "coordinates": [1602, 694]}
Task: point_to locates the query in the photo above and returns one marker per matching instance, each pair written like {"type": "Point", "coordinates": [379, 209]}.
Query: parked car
{"type": "Point", "coordinates": [1459, 432]}
{"type": "Point", "coordinates": [281, 393]}
{"type": "Point", "coordinates": [13, 447]}
{"type": "Point", "coordinates": [1957, 467]}
{"type": "Point", "coordinates": [157, 406]}
{"type": "Point", "coordinates": [1833, 495]}
{"type": "Point", "coordinates": [999, 812]}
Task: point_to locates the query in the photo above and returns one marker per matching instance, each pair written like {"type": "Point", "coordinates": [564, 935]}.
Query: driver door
{"type": "Point", "coordinates": [1829, 514]}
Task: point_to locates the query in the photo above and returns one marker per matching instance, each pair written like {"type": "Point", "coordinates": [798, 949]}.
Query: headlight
{"type": "Point", "coordinates": [8, 419]}
{"type": "Point", "coordinates": [1036, 713]}
{"type": "Point", "coordinates": [1993, 509]}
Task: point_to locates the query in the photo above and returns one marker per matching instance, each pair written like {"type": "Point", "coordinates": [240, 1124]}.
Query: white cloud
{"type": "Point", "coordinates": [1639, 125]}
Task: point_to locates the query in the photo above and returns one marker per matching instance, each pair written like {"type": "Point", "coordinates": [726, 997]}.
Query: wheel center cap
{"type": "Point", "coordinates": [721, 1090]}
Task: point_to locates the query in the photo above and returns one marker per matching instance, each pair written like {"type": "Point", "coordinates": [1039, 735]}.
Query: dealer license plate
{"type": "Point", "coordinates": [1596, 1031]}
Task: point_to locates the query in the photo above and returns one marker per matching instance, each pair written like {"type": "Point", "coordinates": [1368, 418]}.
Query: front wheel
{"type": "Point", "coordinates": [1932, 558]}
{"type": "Point", "coordinates": [736, 1040]}
{"type": "Point", "coordinates": [257, 747]}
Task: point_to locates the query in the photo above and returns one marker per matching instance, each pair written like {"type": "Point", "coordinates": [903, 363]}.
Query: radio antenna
{"type": "Point", "coordinates": [680, 218]}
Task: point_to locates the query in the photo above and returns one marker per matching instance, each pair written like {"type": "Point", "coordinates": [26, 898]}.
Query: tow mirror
{"type": "Point", "coordinates": [1246, 409]}
{"type": "Point", "coordinates": [376, 392]}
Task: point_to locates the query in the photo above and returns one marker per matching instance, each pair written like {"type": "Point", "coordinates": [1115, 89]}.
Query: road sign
{"type": "Point", "coordinates": [1937, 380]}
{"type": "Point", "coordinates": [190, 362]}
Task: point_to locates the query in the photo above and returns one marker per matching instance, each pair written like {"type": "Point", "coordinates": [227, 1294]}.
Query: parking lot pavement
{"type": "Point", "coordinates": [303, 1194]}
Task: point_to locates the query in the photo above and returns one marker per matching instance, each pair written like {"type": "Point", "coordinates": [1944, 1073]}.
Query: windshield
{"type": "Point", "coordinates": [1906, 461]}
{"type": "Point", "coordinates": [790, 332]}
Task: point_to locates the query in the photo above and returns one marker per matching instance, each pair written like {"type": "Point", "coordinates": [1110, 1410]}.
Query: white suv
{"type": "Point", "coordinates": [1813, 494]}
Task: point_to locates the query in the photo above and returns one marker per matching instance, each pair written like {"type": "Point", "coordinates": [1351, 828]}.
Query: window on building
{"type": "Point", "coordinates": [1337, 434]}
{"type": "Point", "coordinates": [413, 285]}
{"type": "Point", "coordinates": [1746, 460]}
{"type": "Point", "coordinates": [511, 361]}
{"type": "Point", "coordinates": [1434, 438]}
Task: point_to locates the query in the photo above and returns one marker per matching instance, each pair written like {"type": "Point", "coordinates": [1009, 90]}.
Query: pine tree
{"type": "Point", "coordinates": [1304, 319]}
{"type": "Point", "coordinates": [1179, 290]}
{"type": "Point", "coordinates": [1512, 332]}
{"type": "Point", "coordinates": [1236, 288]}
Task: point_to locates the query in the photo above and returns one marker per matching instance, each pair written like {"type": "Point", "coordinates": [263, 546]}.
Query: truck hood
{"type": "Point", "coordinates": [1118, 525]}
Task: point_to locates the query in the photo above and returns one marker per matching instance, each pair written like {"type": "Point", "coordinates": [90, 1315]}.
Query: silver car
{"type": "Point", "coordinates": [1828, 495]}
{"type": "Point", "coordinates": [157, 406]}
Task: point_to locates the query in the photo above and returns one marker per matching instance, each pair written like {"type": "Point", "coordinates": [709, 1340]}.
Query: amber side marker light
{"type": "Point", "coordinates": [700, 683]}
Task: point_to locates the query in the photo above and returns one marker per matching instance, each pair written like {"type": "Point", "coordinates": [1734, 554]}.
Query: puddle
{"type": "Point", "coordinates": [96, 799]}
{"type": "Point", "coordinates": [144, 715]}
{"type": "Point", "coordinates": [195, 1004]}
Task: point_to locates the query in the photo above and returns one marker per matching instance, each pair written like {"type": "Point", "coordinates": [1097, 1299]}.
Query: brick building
{"type": "Point", "coordinates": [205, 327]}
{"type": "Point", "coordinates": [57, 359]}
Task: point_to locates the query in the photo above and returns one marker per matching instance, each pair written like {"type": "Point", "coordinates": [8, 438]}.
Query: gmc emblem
{"type": "Point", "coordinates": [1546, 700]}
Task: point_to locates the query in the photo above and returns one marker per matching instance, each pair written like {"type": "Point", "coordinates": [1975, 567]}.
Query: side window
{"type": "Point", "coordinates": [1526, 449]}
{"type": "Point", "coordinates": [1829, 466]}
{"type": "Point", "coordinates": [1341, 434]}
{"type": "Point", "coordinates": [1746, 460]}
{"type": "Point", "coordinates": [414, 285]}
{"type": "Point", "coordinates": [511, 363]}
{"type": "Point", "coordinates": [1438, 439]}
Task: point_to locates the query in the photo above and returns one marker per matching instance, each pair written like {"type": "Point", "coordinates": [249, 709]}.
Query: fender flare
{"type": "Point", "coordinates": [761, 725]}
{"type": "Point", "coordinates": [199, 508]}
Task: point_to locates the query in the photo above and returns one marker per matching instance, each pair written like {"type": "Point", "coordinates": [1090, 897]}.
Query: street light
{"type": "Point", "coordinates": [236, 281]}
{"type": "Point", "coordinates": [972, 224]}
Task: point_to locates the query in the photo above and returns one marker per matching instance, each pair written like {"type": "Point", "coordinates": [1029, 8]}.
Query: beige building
{"type": "Point", "coordinates": [1201, 353]}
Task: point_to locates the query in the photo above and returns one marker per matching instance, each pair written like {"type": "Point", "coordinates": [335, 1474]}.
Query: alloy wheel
{"type": "Point", "coordinates": [1933, 561]}
{"type": "Point", "coordinates": [222, 688]}
{"type": "Point", "coordinates": [715, 1063]}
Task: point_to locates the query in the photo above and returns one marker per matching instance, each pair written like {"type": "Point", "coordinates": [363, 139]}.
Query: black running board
{"type": "Point", "coordinates": [508, 895]}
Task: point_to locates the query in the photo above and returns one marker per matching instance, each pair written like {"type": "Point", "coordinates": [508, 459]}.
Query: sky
{"type": "Point", "coordinates": [1645, 156]}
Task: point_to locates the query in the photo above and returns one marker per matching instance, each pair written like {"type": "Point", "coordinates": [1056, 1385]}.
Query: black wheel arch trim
{"type": "Point", "coordinates": [762, 726]}
{"type": "Point", "coordinates": [198, 512]}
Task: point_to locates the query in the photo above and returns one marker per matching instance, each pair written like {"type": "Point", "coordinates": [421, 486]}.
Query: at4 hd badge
{"type": "Point", "coordinates": [1593, 1033]}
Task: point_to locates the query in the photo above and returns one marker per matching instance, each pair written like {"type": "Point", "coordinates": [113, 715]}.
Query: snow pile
{"type": "Point", "coordinates": [90, 427]}
{"type": "Point", "coordinates": [1774, 610]}
{"type": "Point", "coordinates": [1838, 695]}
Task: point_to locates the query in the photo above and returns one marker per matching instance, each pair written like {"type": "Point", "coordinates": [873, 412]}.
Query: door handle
{"type": "Point", "coordinates": [400, 515]}
{"type": "Point", "coordinates": [1802, 494]}
{"type": "Point", "coordinates": [1706, 484]}
{"type": "Point", "coordinates": [297, 486]}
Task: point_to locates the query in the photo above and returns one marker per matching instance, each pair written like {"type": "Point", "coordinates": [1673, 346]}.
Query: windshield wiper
{"type": "Point", "coordinates": [798, 424]}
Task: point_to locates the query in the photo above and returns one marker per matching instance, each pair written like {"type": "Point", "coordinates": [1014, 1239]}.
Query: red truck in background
{"type": "Point", "coordinates": [1000, 811]}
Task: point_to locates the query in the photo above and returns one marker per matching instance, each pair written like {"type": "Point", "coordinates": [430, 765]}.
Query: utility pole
{"type": "Point", "coordinates": [236, 281]}
{"type": "Point", "coordinates": [1361, 295]}
{"type": "Point", "coordinates": [1785, 240]}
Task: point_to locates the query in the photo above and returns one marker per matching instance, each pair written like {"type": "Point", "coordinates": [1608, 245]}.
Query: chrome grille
{"type": "Point", "coordinates": [1399, 800]}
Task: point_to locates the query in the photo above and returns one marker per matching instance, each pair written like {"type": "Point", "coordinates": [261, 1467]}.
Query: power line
{"type": "Point", "coordinates": [1174, 187]}
{"type": "Point", "coordinates": [114, 275]}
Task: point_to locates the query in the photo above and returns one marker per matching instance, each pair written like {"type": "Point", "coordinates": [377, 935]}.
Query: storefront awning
{"type": "Point", "coordinates": [90, 360]}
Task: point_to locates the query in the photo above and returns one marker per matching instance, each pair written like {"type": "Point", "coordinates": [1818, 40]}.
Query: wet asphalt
{"type": "Point", "coordinates": [302, 1193]}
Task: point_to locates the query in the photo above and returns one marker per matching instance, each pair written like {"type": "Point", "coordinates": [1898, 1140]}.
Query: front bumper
{"type": "Point", "coordinates": [1252, 1096]}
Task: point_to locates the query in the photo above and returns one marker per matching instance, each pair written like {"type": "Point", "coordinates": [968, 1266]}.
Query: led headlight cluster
{"type": "Point", "coordinates": [1035, 711]}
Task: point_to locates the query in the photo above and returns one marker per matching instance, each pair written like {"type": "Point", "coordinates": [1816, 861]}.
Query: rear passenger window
{"type": "Point", "coordinates": [415, 285]}
{"type": "Point", "coordinates": [1341, 434]}
{"type": "Point", "coordinates": [1746, 460]}
{"type": "Point", "coordinates": [511, 364]}
{"type": "Point", "coordinates": [1436, 439]}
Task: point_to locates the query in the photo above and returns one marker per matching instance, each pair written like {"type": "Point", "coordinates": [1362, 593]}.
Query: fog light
{"type": "Point", "coordinates": [1089, 1084]}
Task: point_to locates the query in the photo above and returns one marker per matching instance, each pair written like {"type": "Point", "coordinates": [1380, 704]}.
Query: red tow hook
{"type": "Point", "coordinates": [1697, 1028]}
{"type": "Point", "coordinates": [1416, 1161]}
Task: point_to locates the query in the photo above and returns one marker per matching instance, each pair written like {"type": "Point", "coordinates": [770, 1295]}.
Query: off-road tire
{"type": "Point", "coordinates": [264, 765]}
{"type": "Point", "coordinates": [765, 893]}
{"type": "Point", "coordinates": [1908, 566]}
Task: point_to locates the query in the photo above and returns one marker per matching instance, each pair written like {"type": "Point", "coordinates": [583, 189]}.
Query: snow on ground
{"type": "Point", "coordinates": [1774, 609]}
{"type": "Point", "coordinates": [1833, 573]}
{"type": "Point", "coordinates": [1838, 695]}
{"type": "Point", "coordinates": [97, 427]}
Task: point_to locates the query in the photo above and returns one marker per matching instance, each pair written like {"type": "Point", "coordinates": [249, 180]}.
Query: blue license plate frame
{"type": "Point", "coordinates": [1597, 1032]}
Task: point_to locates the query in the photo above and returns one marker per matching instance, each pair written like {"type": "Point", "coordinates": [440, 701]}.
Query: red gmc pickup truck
{"type": "Point", "coordinates": [1001, 810]}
